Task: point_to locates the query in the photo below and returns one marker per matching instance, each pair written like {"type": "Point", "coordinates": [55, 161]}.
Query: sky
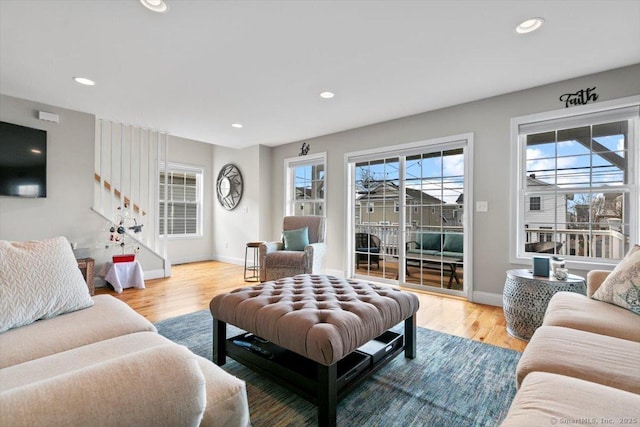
{"type": "Point", "coordinates": [574, 163]}
{"type": "Point", "coordinates": [440, 176]}
{"type": "Point", "coordinates": [567, 164]}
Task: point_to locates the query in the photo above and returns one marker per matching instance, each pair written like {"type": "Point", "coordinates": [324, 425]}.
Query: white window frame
{"type": "Point", "coordinates": [290, 183]}
{"type": "Point", "coordinates": [198, 171]}
{"type": "Point", "coordinates": [571, 117]}
{"type": "Point", "coordinates": [444, 143]}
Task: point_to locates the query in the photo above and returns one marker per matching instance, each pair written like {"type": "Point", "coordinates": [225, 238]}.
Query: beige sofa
{"type": "Point", "coordinates": [582, 366]}
{"type": "Point", "coordinates": [103, 365]}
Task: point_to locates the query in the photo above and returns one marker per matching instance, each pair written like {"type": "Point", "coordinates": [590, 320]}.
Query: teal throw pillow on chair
{"type": "Point", "coordinates": [296, 240]}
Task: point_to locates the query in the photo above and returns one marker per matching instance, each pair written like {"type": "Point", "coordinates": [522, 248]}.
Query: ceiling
{"type": "Point", "coordinates": [206, 64]}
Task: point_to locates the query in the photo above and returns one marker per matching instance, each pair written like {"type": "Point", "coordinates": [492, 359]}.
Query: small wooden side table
{"type": "Point", "coordinates": [252, 271]}
{"type": "Point", "coordinates": [526, 297]}
{"type": "Point", "coordinates": [88, 268]}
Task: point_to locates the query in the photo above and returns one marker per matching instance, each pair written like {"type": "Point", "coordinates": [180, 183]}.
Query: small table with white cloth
{"type": "Point", "coordinates": [123, 275]}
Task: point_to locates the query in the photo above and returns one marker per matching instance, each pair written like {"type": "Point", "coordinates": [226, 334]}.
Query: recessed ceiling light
{"type": "Point", "coordinates": [155, 5]}
{"type": "Point", "coordinates": [84, 81]}
{"type": "Point", "coordinates": [36, 151]}
{"type": "Point", "coordinates": [529, 25]}
{"type": "Point", "coordinates": [237, 125]}
{"type": "Point", "coordinates": [327, 95]}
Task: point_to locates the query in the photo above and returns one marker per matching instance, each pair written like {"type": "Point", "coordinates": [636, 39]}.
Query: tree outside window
{"type": "Point", "coordinates": [577, 185]}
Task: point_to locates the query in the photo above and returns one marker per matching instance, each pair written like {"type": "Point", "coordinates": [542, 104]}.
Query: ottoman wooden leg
{"type": "Point", "coordinates": [327, 395]}
{"type": "Point", "coordinates": [410, 337]}
{"type": "Point", "coordinates": [219, 342]}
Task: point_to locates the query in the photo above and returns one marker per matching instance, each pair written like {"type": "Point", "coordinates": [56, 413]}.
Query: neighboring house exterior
{"type": "Point", "coordinates": [544, 211]}
{"type": "Point", "coordinates": [309, 201]}
{"type": "Point", "coordinates": [580, 227]}
{"type": "Point", "coordinates": [378, 204]}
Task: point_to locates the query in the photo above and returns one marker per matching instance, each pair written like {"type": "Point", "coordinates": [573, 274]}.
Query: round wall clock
{"type": "Point", "coordinates": [229, 186]}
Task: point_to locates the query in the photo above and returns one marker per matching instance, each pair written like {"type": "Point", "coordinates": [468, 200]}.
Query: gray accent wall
{"type": "Point", "coordinates": [67, 209]}
{"type": "Point", "coordinates": [489, 121]}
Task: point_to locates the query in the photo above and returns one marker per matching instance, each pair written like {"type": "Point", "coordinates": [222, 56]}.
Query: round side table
{"type": "Point", "coordinates": [252, 271]}
{"type": "Point", "coordinates": [526, 297]}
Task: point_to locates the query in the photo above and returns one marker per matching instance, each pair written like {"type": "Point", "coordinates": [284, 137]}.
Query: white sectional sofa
{"type": "Point", "coordinates": [94, 361]}
{"type": "Point", "coordinates": [582, 366]}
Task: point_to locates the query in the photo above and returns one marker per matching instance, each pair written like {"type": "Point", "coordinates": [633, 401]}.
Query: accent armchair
{"type": "Point", "coordinates": [278, 261]}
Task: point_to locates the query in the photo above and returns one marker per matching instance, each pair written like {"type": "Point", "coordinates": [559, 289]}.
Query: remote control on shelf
{"type": "Point", "coordinates": [252, 347]}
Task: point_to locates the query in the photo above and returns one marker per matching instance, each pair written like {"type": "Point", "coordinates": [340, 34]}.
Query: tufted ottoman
{"type": "Point", "coordinates": [312, 333]}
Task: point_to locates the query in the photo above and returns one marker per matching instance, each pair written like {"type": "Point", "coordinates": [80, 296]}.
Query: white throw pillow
{"type": "Point", "coordinates": [39, 280]}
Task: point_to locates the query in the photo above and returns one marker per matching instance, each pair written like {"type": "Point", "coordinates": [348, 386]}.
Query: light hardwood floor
{"type": "Point", "coordinates": [191, 287]}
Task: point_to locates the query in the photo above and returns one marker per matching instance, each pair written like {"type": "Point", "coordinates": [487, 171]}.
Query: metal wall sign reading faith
{"type": "Point", "coordinates": [229, 186]}
{"type": "Point", "coordinates": [581, 97]}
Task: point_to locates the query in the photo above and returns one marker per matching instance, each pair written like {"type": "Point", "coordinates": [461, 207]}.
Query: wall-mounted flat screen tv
{"type": "Point", "coordinates": [23, 161]}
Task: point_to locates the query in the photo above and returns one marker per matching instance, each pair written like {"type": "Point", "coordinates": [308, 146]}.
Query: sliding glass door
{"type": "Point", "coordinates": [408, 216]}
{"type": "Point", "coordinates": [376, 210]}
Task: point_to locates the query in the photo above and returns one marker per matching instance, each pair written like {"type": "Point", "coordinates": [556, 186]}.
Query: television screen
{"type": "Point", "coordinates": [23, 161]}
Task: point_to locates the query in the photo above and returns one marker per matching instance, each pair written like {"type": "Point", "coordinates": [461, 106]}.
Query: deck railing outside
{"type": "Point", "coordinates": [389, 234]}
{"type": "Point", "coordinates": [604, 244]}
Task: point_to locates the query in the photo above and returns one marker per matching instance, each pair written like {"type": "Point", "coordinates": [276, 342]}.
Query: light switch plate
{"type": "Point", "coordinates": [482, 206]}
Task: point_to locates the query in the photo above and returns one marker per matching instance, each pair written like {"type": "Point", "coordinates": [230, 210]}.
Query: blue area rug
{"type": "Point", "coordinates": [453, 381]}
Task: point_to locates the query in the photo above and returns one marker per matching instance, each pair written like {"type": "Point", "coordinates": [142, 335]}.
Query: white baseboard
{"type": "Point", "coordinates": [99, 282]}
{"type": "Point", "coordinates": [154, 274]}
{"type": "Point", "coordinates": [176, 261]}
{"type": "Point", "coordinates": [332, 272]}
{"type": "Point", "coordinates": [487, 298]}
{"type": "Point", "coordinates": [230, 260]}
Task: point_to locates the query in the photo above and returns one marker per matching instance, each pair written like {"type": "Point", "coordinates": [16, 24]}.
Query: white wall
{"type": "Point", "coordinates": [489, 120]}
{"type": "Point", "coordinates": [249, 220]}
{"type": "Point", "coordinates": [265, 191]}
{"type": "Point", "coordinates": [186, 151]}
{"type": "Point", "coordinates": [66, 211]}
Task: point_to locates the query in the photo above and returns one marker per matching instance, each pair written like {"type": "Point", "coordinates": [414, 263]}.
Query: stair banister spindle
{"type": "Point", "coordinates": [131, 195]}
{"type": "Point", "coordinates": [165, 240]}
{"type": "Point", "coordinates": [140, 172]}
{"type": "Point", "coordinates": [111, 167]}
{"type": "Point", "coordinates": [121, 184]}
{"type": "Point", "coordinates": [151, 194]}
{"type": "Point", "coordinates": [112, 172]}
{"type": "Point", "coordinates": [101, 189]}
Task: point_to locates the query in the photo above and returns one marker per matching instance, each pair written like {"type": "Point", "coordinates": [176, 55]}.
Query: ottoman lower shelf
{"type": "Point", "coordinates": [300, 374]}
{"type": "Point", "coordinates": [355, 307]}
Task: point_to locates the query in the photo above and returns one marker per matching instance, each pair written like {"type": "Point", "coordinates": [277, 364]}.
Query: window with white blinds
{"type": "Point", "coordinates": [181, 196]}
